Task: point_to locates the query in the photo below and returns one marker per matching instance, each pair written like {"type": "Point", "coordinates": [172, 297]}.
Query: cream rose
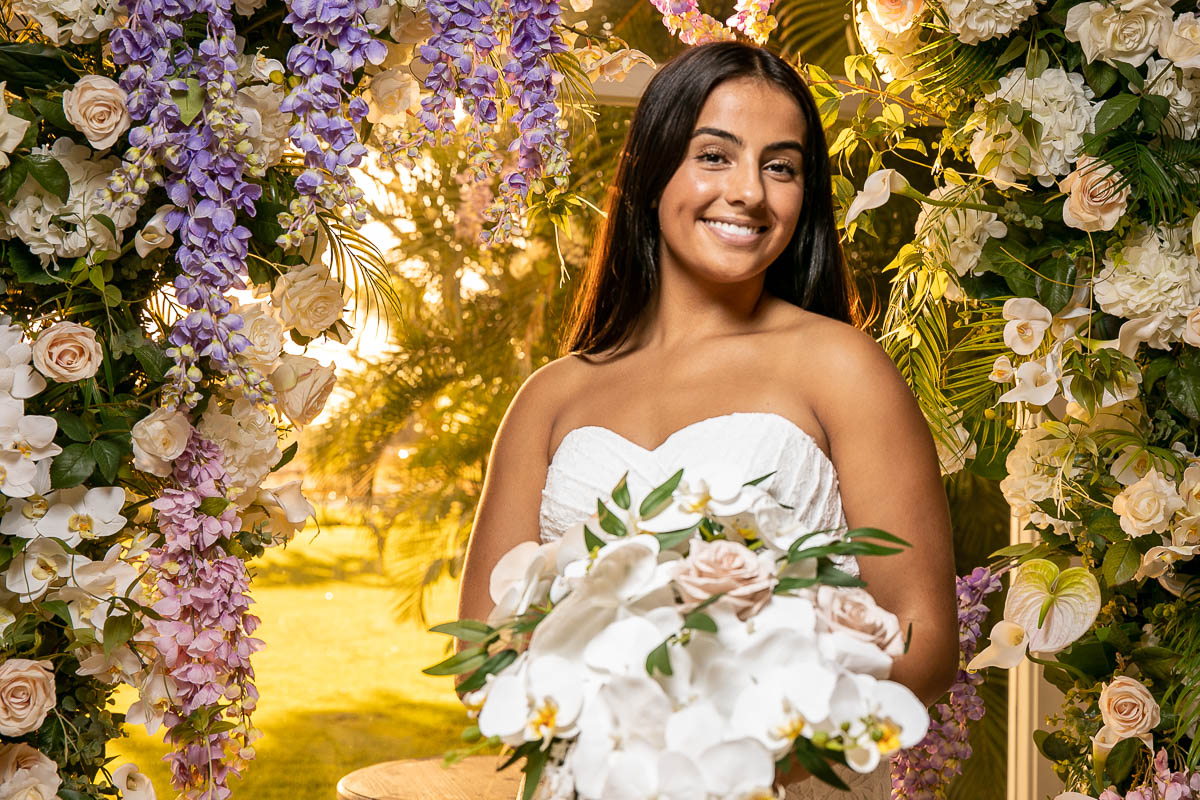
{"type": "Point", "coordinates": [1127, 30]}
{"type": "Point", "coordinates": [96, 106]}
{"type": "Point", "coordinates": [1128, 709]}
{"type": "Point", "coordinates": [66, 352]}
{"type": "Point", "coordinates": [153, 235]}
{"type": "Point", "coordinates": [265, 334]}
{"type": "Point", "coordinates": [727, 567]}
{"type": "Point", "coordinates": [26, 774]}
{"type": "Point", "coordinates": [895, 16]}
{"type": "Point", "coordinates": [1147, 506]}
{"type": "Point", "coordinates": [302, 385]}
{"type": "Point", "coordinates": [1094, 202]}
{"type": "Point", "coordinates": [309, 300]}
{"type": "Point", "coordinates": [391, 95]}
{"type": "Point", "coordinates": [26, 695]}
{"type": "Point", "coordinates": [158, 439]}
{"type": "Point", "coordinates": [854, 612]}
{"type": "Point", "coordinates": [1180, 41]}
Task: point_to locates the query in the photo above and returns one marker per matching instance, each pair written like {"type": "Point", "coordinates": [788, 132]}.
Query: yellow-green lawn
{"type": "Point", "coordinates": [340, 678]}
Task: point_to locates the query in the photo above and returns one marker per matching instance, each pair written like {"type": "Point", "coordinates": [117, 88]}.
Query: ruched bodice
{"type": "Point", "coordinates": [591, 459]}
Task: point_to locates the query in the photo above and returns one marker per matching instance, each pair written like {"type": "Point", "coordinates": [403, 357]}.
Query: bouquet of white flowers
{"type": "Point", "coordinates": [686, 646]}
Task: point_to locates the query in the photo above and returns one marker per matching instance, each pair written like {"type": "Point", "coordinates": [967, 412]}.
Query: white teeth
{"type": "Point", "coordinates": [740, 230]}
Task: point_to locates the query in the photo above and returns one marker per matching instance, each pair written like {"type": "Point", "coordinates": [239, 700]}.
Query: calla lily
{"type": "Point", "coordinates": [1196, 235]}
{"type": "Point", "coordinates": [1027, 323]}
{"type": "Point", "coordinates": [1006, 649]}
{"type": "Point", "coordinates": [1054, 607]}
{"type": "Point", "coordinates": [1002, 370]}
{"type": "Point", "coordinates": [877, 190]}
{"type": "Point", "coordinates": [1073, 314]}
{"type": "Point", "coordinates": [1036, 385]}
{"type": "Point", "coordinates": [1134, 332]}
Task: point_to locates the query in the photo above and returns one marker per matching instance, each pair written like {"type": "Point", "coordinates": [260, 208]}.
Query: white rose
{"type": "Point", "coordinates": [1094, 202]}
{"type": "Point", "coordinates": [26, 774]}
{"type": "Point", "coordinates": [390, 96]}
{"type": "Point", "coordinates": [1191, 328]}
{"type": "Point", "coordinates": [975, 21]}
{"type": "Point", "coordinates": [302, 385]}
{"type": "Point", "coordinates": [265, 334]}
{"type": "Point", "coordinates": [26, 695]}
{"type": "Point", "coordinates": [1147, 506]}
{"type": "Point", "coordinates": [1180, 41]}
{"type": "Point", "coordinates": [1126, 31]}
{"type": "Point", "coordinates": [1128, 709]}
{"type": "Point", "coordinates": [153, 235]}
{"type": "Point", "coordinates": [308, 299]}
{"type": "Point", "coordinates": [96, 106]}
{"type": "Point", "coordinates": [892, 52]}
{"type": "Point", "coordinates": [67, 352]}
{"type": "Point", "coordinates": [12, 129]}
{"type": "Point", "coordinates": [957, 235]}
{"type": "Point", "coordinates": [158, 439]}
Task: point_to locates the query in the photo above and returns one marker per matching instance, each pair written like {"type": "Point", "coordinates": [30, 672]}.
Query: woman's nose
{"type": "Point", "coordinates": [745, 185]}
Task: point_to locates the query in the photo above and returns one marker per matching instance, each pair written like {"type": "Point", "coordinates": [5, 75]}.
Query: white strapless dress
{"type": "Point", "coordinates": [590, 460]}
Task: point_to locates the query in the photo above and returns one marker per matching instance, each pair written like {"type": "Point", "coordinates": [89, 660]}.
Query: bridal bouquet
{"type": "Point", "coordinates": [686, 645]}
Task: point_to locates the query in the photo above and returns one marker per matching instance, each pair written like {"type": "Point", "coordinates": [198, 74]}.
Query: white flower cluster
{"type": "Point", "coordinates": [1152, 272]}
{"type": "Point", "coordinates": [56, 229]}
{"type": "Point", "coordinates": [1059, 102]}
{"type": "Point", "coordinates": [1031, 475]}
{"type": "Point", "coordinates": [1124, 30]}
{"type": "Point", "coordinates": [12, 129]}
{"type": "Point", "coordinates": [891, 49]}
{"type": "Point", "coordinates": [1181, 87]}
{"type": "Point", "coordinates": [249, 443]}
{"type": "Point", "coordinates": [956, 236]}
{"type": "Point", "coordinates": [975, 21]}
{"type": "Point", "coordinates": [63, 21]}
{"type": "Point", "coordinates": [782, 663]}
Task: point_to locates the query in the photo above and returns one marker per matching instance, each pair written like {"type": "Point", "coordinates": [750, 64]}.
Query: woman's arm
{"type": "Point", "coordinates": [889, 478]}
{"type": "Point", "coordinates": [507, 513]}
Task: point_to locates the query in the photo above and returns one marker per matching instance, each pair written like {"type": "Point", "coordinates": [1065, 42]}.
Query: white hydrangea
{"type": "Point", "coordinates": [891, 51]}
{"type": "Point", "coordinates": [1152, 271]}
{"type": "Point", "coordinates": [54, 229]}
{"type": "Point", "coordinates": [1060, 102]}
{"type": "Point", "coordinates": [250, 441]}
{"type": "Point", "coordinates": [975, 21]}
{"type": "Point", "coordinates": [62, 21]}
{"type": "Point", "coordinates": [1181, 87]}
{"type": "Point", "coordinates": [956, 236]}
{"type": "Point", "coordinates": [268, 126]}
{"type": "Point", "coordinates": [1031, 473]}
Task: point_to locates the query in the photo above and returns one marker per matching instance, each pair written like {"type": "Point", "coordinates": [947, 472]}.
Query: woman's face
{"type": "Point", "coordinates": [732, 205]}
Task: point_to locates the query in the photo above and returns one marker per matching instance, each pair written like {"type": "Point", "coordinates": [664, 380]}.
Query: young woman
{"type": "Point", "coordinates": [717, 320]}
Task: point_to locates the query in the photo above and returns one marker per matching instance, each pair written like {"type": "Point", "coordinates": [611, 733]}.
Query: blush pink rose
{"type": "Point", "coordinates": [26, 695]}
{"type": "Point", "coordinates": [854, 612]}
{"type": "Point", "coordinates": [27, 773]}
{"type": "Point", "coordinates": [67, 352]}
{"type": "Point", "coordinates": [726, 567]}
{"type": "Point", "coordinates": [1094, 203]}
{"type": "Point", "coordinates": [1128, 709]}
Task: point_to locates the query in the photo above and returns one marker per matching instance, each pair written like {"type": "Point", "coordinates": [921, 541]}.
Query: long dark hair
{"type": "Point", "coordinates": [623, 273]}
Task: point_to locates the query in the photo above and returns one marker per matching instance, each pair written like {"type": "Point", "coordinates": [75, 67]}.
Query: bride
{"type": "Point", "coordinates": [717, 321]}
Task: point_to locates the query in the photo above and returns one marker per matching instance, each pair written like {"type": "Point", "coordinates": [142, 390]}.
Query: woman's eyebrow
{"type": "Point", "coordinates": [789, 144]}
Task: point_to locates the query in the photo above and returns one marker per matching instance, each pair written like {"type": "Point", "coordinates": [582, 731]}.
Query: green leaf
{"type": "Point", "coordinates": [1155, 109]}
{"type": "Point", "coordinates": [660, 497]}
{"type": "Point", "coordinates": [469, 630]}
{"type": "Point", "coordinates": [535, 763]}
{"type": "Point", "coordinates": [670, 539]}
{"type": "Point", "coordinates": [466, 660]}
{"type": "Point", "coordinates": [609, 522]}
{"type": "Point", "coordinates": [107, 222]}
{"type": "Point", "coordinates": [659, 660]}
{"type": "Point", "coordinates": [287, 456]}
{"type": "Point", "coordinates": [1014, 550]}
{"type": "Point", "coordinates": [1183, 390]}
{"type": "Point", "coordinates": [107, 455]}
{"type": "Point", "coordinates": [153, 360]}
{"type": "Point", "coordinates": [1158, 663]}
{"type": "Point", "coordinates": [59, 609]}
{"type": "Point", "coordinates": [620, 493]}
{"type": "Point", "coordinates": [1121, 759]}
{"type": "Point", "coordinates": [1100, 76]}
{"type": "Point", "coordinates": [52, 176]}
{"type": "Point", "coordinates": [759, 480]}
{"type": "Point", "coordinates": [1120, 563]}
{"type": "Point", "coordinates": [72, 466]}
{"type": "Point", "coordinates": [190, 101]}
{"type": "Point", "coordinates": [27, 267]}
{"type": "Point", "coordinates": [1016, 48]}
{"type": "Point", "coordinates": [699, 621]}
{"type": "Point", "coordinates": [214, 506]}
{"type": "Point", "coordinates": [832, 576]}
{"type": "Point", "coordinates": [490, 667]}
{"type": "Point", "coordinates": [1131, 74]}
{"type": "Point", "coordinates": [27, 65]}
{"type": "Point", "coordinates": [111, 295]}
{"type": "Point", "coordinates": [72, 426]}
{"type": "Point", "coordinates": [1054, 746]}
{"type": "Point", "coordinates": [811, 759]}
{"type": "Point", "coordinates": [591, 540]}
{"type": "Point", "coordinates": [12, 179]}
{"type": "Point", "coordinates": [117, 631]}
{"type": "Point", "coordinates": [1104, 523]}
{"type": "Point", "coordinates": [1115, 111]}
{"type": "Point", "coordinates": [51, 111]}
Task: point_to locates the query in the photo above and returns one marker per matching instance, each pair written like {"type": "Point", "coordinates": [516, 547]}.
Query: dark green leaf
{"type": "Point", "coordinates": [1155, 109]}
{"type": "Point", "coordinates": [1156, 662]}
{"type": "Point", "coordinates": [1016, 48]}
{"type": "Point", "coordinates": [609, 522]}
{"type": "Point", "coordinates": [1183, 390]}
{"type": "Point", "coordinates": [117, 631]}
{"type": "Point", "coordinates": [1155, 370]}
{"type": "Point", "coordinates": [811, 759]}
{"type": "Point", "coordinates": [27, 65]}
{"type": "Point", "coordinates": [659, 660]}
{"type": "Point", "coordinates": [1054, 746]}
{"type": "Point", "coordinates": [620, 493]}
{"type": "Point", "coordinates": [1115, 111]}
{"type": "Point", "coordinates": [107, 222]}
{"type": "Point", "coordinates": [72, 466]}
{"type": "Point", "coordinates": [758, 480]}
{"type": "Point", "coordinates": [591, 540]}
{"type": "Point", "coordinates": [1121, 759]}
{"type": "Point", "coordinates": [1100, 76]}
{"type": "Point", "coordinates": [699, 621]}
{"type": "Point", "coordinates": [107, 454]}
{"type": "Point", "coordinates": [791, 584]}
{"type": "Point", "coordinates": [1103, 522]}
{"type": "Point", "coordinates": [153, 360]}
{"type": "Point", "coordinates": [59, 609]}
{"type": "Point", "coordinates": [469, 630]}
{"type": "Point", "coordinates": [875, 533]}
{"type": "Point", "coordinates": [535, 762]}
{"type": "Point", "coordinates": [832, 576]}
{"type": "Point", "coordinates": [288, 455]}
{"type": "Point", "coordinates": [27, 267]}
{"type": "Point", "coordinates": [72, 426]}
{"type": "Point", "coordinates": [660, 497]}
{"type": "Point", "coordinates": [466, 660]}
{"type": "Point", "coordinates": [51, 111]}
{"type": "Point", "coordinates": [1014, 550]}
{"type": "Point", "coordinates": [490, 667]}
{"type": "Point", "coordinates": [214, 506]}
{"type": "Point", "coordinates": [670, 539]}
{"type": "Point", "coordinates": [1131, 74]}
{"type": "Point", "coordinates": [1120, 562]}
{"type": "Point", "coordinates": [12, 178]}
{"type": "Point", "coordinates": [45, 169]}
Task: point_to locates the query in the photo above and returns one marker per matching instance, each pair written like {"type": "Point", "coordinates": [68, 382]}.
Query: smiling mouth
{"type": "Point", "coordinates": [731, 230]}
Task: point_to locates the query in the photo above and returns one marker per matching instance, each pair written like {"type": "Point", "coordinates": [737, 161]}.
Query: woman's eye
{"type": "Point", "coordinates": [710, 158]}
{"type": "Point", "coordinates": [782, 168]}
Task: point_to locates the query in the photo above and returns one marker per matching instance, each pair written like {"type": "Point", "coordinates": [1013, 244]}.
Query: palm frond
{"type": "Point", "coordinates": [815, 31]}
{"type": "Point", "coordinates": [1162, 173]}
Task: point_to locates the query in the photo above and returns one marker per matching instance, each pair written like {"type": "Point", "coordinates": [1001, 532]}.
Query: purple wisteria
{"type": "Point", "coordinates": [1163, 784]}
{"type": "Point", "coordinates": [204, 636]}
{"type": "Point", "coordinates": [923, 771]}
{"type": "Point", "coordinates": [337, 42]}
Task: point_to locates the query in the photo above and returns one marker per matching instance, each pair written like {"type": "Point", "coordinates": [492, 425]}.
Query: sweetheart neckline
{"type": "Point", "coordinates": [804, 435]}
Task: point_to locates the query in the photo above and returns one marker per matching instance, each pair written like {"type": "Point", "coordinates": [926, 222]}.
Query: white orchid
{"type": "Point", "coordinates": [17, 377]}
{"type": "Point", "coordinates": [30, 436]}
{"type": "Point", "coordinates": [642, 772]}
{"type": "Point", "coordinates": [876, 718]}
{"type": "Point", "coordinates": [40, 564]}
{"type": "Point", "coordinates": [18, 475]}
{"type": "Point", "coordinates": [877, 190]}
{"type": "Point", "coordinates": [80, 513]}
{"type": "Point", "coordinates": [1037, 384]}
{"type": "Point", "coordinates": [134, 785]}
{"type": "Point", "coordinates": [1027, 323]}
{"type": "Point", "coordinates": [12, 129]}
{"type": "Point", "coordinates": [623, 712]}
{"type": "Point", "coordinates": [157, 693]}
{"type": "Point", "coordinates": [521, 579]}
{"type": "Point", "coordinates": [784, 702]}
{"type": "Point", "coordinates": [539, 701]}
{"type": "Point", "coordinates": [1160, 559]}
{"type": "Point", "coordinates": [21, 516]}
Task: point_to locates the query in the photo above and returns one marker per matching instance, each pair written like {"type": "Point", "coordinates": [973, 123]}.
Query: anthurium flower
{"type": "Point", "coordinates": [877, 190]}
{"type": "Point", "coordinates": [1027, 323]}
{"type": "Point", "coordinates": [1054, 607]}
